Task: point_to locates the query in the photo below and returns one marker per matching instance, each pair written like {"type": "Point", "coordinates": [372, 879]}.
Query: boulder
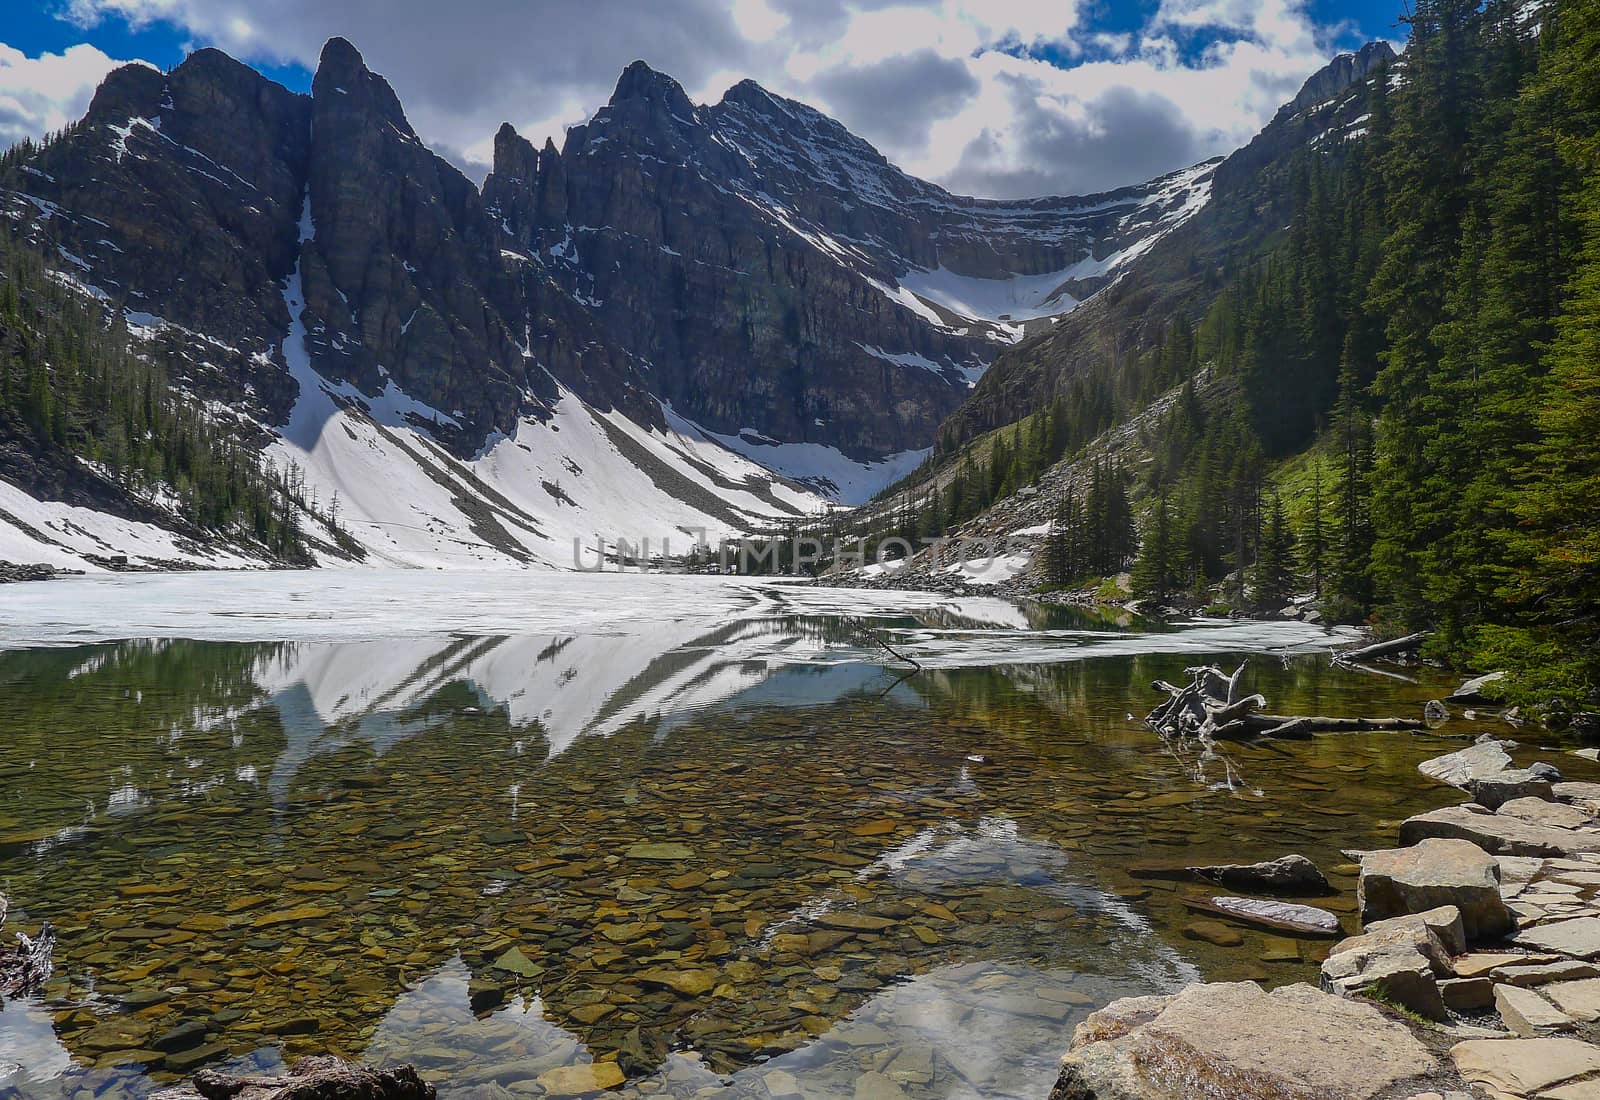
{"type": "Point", "coordinates": [1467, 994]}
{"type": "Point", "coordinates": [1286, 874]}
{"type": "Point", "coordinates": [1444, 922]}
{"type": "Point", "coordinates": [1398, 961]}
{"type": "Point", "coordinates": [1500, 834]}
{"type": "Point", "coordinates": [1459, 769]}
{"type": "Point", "coordinates": [1233, 1039]}
{"type": "Point", "coordinates": [1493, 791]}
{"type": "Point", "coordinates": [1432, 874]}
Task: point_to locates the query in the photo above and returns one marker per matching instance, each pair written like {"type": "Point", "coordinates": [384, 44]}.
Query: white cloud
{"type": "Point", "coordinates": [44, 93]}
{"type": "Point", "coordinates": [955, 90]}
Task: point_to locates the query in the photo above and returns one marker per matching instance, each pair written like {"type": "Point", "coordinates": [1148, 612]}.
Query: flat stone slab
{"type": "Point", "coordinates": [1498, 834]}
{"type": "Point", "coordinates": [1579, 999]}
{"type": "Point", "coordinates": [1481, 963]}
{"type": "Point", "coordinates": [1567, 970]}
{"type": "Point", "coordinates": [1528, 1014]}
{"type": "Point", "coordinates": [1524, 1066]}
{"type": "Point", "coordinates": [1579, 937]}
{"type": "Point", "coordinates": [1459, 769]}
{"type": "Point", "coordinates": [1569, 791]}
{"type": "Point", "coordinates": [1541, 812]}
{"type": "Point", "coordinates": [1234, 1039]}
{"type": "Point", "coordinates": [1282, 916]}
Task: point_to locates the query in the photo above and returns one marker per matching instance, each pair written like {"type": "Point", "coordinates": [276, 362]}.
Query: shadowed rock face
{"type": "Point", "coordinates": [403, 276]}
{"type": "Point", "coordinates": [750, 253]}
{"type": "Point", "coordinates": [178, 194]}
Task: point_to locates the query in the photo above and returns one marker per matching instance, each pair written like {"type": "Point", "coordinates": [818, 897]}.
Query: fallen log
{"type": "Point", "coordinates": [1382, 649]}
{"type": "Point", "coordinates": [1306, 726]}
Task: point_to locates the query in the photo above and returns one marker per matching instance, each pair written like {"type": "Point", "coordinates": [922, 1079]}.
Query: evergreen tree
{"type": "Point", "coordinates": [1161, 567]}
{"type": "Point", "coordinates": [1274, 579]}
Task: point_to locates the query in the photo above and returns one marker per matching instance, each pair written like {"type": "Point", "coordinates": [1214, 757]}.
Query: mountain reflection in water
{"type": "Point", "coordinates": [727, 855]}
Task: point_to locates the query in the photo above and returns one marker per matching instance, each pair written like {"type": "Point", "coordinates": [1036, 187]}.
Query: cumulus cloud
{"type": "Point", "coordinates": [940, 86]}
{"type": "Point", "coordinates": [44, 93]}
{"type": "Point", "coordinates": [998, 97]}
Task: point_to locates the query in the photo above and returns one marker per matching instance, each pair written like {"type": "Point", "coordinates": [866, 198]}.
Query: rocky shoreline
{"type": "Point", "coordinates": [1476, 974]}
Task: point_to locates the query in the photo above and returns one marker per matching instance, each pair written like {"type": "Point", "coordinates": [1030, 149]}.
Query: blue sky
{"type": "Point", "coordinates": [995, 97]}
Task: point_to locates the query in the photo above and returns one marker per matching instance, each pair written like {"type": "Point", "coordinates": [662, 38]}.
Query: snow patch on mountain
{"type": "Point", "coordinates": [826, 470]}
{"type": "Point", "coordinates": [66, 536]}
{"type": "Point", "coordinates": [1006, 302]}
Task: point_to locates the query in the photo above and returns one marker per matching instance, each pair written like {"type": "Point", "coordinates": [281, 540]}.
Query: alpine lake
{"type": "Point", "coordinates": [696, 853]}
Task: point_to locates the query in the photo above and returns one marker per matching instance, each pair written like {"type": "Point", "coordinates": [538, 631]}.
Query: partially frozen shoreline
{"type": "Point", "coordinates": [365, 604]}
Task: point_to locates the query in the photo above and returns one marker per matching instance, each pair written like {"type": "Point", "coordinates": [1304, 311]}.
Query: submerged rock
{"type": "Point", "coordinates": [310, 1079]}
{"type": "Point", "coordinates": [1233, 1039]}
{"type": "Point", "coordinates": [1291, 873]}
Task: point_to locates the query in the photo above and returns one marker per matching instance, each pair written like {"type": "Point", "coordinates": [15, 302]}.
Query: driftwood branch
{"type": "Point", "coordinates": [883, 643]}
{"type": "Point", "coordinates": [27, 965]}
{"type": "Point", "coordinates": [1211, 708]}
{"type": "Point", "coordinates": [907, 658]}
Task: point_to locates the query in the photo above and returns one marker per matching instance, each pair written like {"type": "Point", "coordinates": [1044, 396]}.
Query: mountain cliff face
{"type": "Point", "coordinates": [774, 274]}
{"type": "Point", "coordinates": [584, 340]}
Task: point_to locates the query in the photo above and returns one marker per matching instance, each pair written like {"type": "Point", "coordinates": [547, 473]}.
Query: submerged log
{"type": "Point", "coordinates": [1282, 916]}
{"type": "Point", "coordinates": [1305, 727]}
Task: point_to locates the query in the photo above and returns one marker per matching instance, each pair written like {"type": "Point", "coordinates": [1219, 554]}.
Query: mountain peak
{"type": "Point", "coordinates": [128, 90]}
{"type": "Point", "coordinates": [640, 82]}
{"type": "Point", "coordinates": [513, 154]}
{"type": "Point", "coordinates": [339, 56]}
{"type": "Point", "coordinates": [342, 74]}
{"type": "Point", "coordinates": [1337, 75]}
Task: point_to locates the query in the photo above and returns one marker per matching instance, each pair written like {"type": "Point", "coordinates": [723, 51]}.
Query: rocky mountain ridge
{"type": "Point", "coordinates": [682, 280]}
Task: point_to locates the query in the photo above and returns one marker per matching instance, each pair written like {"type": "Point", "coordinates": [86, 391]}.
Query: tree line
{"type": "Point", "coordinates": [77, 391]}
